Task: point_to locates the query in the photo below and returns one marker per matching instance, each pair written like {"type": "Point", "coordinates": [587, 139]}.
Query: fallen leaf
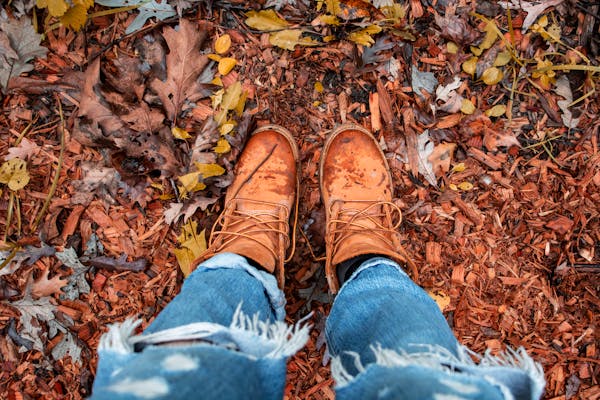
{"type": "Point", "coordinates": [467, 107]}
{"type": "Point", "coordinates": [32, 313]}
{"type": "Point", "coordinates": [56, 8]}
{"type": "Point", "coordinates": [424, 150]}
{"type": "Point", "coordinates": [21, 44]}
{"type": "Point", "coordinates": [25, 150]}
{"type": "Point", "coordinates": [147, 9]}
{"type": "Point", "coordinates": [43, 286]}
{"type": "Point", "coordinates": [180, 133]}
{"type": "Point", "coordinates": [289, 38]}
{"type": "Point", "coordinates": [76, 281]}
{"type": "Point", "coordinates": [75, 17]}
{"type": "Point", "coordinates": [441, 156]}
{"type": "Point", "coordinates": [563, 89]}
{"type": "Point", "coordinates": [14, 174]}
{"type": "Point", "coordinates": [226, 64]}
{"type": "Point", "coordinates": [496, 111]}
{"type": "Point", "coordinates": [423, 81]}
{"type": "Point", "coordinates": [222, 146]}
{"type": "Point", "coordinates": [222, 44]}
{"type": "Point", "coordinates": [492, 76]}
{"type": "Point", "coordinates": [466, 186]}
{"type": "Point", "coordinates": [185, 63]}
{"type": "Point", "coordinates": [457, 28]}
{"type": "Point", "coordinates": [265, 20]}
{"type": "Point", "coordinates": [191, 244]}
{"type": "Point", "coordinates": [470, 66]}
{"type": "Point", "coordinates": [364, 36]}
{"type": "Point", "coordinates": [208, 170]}
{"type": "Point", "coordinates": [533, 10]}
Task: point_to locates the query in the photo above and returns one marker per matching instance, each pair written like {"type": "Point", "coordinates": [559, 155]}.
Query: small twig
{"type": "Point", "coordinates": [58, 169]}
{"type": "Point", "coordinates": [9, 213]}
{"type": "Point", "coordinates": [12, 255]}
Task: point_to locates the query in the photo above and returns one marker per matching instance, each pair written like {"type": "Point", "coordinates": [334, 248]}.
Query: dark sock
{"type": "Point", "coordinates": [346, 268]}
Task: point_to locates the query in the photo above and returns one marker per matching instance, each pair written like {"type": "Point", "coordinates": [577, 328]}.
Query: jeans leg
{"type": "Point", "coordinates": [222, 337]}
{"type": "Point", "coordinates": [388, 339]}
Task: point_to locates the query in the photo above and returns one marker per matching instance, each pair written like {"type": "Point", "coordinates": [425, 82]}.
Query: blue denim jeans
{"type": "Point", "coordinates": [223, 337]}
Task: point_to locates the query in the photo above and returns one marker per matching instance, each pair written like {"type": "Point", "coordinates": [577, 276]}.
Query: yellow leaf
{"type": "Point", "coordinates": [452, 47]}
{"type": "Point", "coordinates": [14, 174]}
{"type": "Point", "coordinates": [490, 36]}
{"type": "Point", "coordinates": [476, 50]}
{"type": "Point", "coordinates": [440, 298]}
{"type": "Point", "coordinates": [327, 20]}
{"type": "Point", "coordinates": [460, 167]}
{"type": "Point", "coordinates": [188, 182]}
{"type": "Point", "coordinates": [221, 117]}
{"type": "Point", "coordinates": [286, 39]}
{"type": "Point", "coordinates": [470, 66]}
{"type": "Point", "coordinates": [492, 76]}
{"type": "Point", "coordinates": [214, 57]}
{"type": "Point", "coordinates": [208, 170]}
{"type": "Point", "coordinates": [502, 59]}
{"type": "Point", "coordinates": [453, 187]}
{"type": "Point", "coordinates": [222, 44]}
{"type": "Point", "coordinates": [394, 12]}
{"type": "Point", "coordinates": [265, 20]}
{"type": "Point", "coordinates": [75, 17]}
{"type": "Point", "coordinates": [239, 108]}
{"type": "Point", "coordinates": [467, 107]}
{"type": "Point", "coordinates": [319, 87]}
{"type": "Point", "coordinates": [554, 32]}
{"type": "Point", "coordinates": [543, 21]}
{"type": "Point", "coordinates": [86, 3]}
{"type": "Point", "coordinates": [217, 81]}
{"type": "Point", "coordinates": [217, 98]}
{"type": "Point", "coordinates": [180, 133]}
{"type": "Point", "coordinates": [192, 244]}
{"type": "Point", "coordinates": [56, 8]}
{"type": "Point", "coordinates": [465, 186]}
{"type": "Point", "coordinates": [363, 36]}
{"type": "Point", "coordinates": [226, 128]}
{"type": "Point", "coordinates": [496, 111]}
{"type": "Point", "coordinates": [231, 96]}
{"type": "Point", "coordinates": [222, 146]}
{"type": "Point", "coordinates": [333, 7]}
{"type": "Point", "coordinates": [226, 65]}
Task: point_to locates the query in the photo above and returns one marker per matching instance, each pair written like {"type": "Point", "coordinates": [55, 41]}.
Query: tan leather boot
{"type": "Point", "coordinates": [259, 202]}
{"type": "Point", "coordinates": [356, 189]}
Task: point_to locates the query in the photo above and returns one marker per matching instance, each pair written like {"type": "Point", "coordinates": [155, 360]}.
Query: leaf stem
{"type": "Point", "coordinates": [58, 169]}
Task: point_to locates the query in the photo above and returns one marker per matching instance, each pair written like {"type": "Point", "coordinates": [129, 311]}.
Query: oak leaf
{"type": "Point", "coordinates": [147, 9]}
{"type": "Point", "coordinates": [43, 286]}
{"type": "Point", "coordinates": [185, 63]}
{"type": "Point", "coordinates": [19, 44]}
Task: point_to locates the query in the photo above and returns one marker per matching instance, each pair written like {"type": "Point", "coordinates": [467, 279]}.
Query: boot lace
{"type": "Point", "coordinates": [271, 218]}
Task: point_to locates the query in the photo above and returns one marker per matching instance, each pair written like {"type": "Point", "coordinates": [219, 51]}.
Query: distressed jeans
{"type": "Point", "coordinates": [224, 337]}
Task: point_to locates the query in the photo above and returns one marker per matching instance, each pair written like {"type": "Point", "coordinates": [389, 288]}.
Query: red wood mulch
{"type": "Point", "coordinates": [517, 256]}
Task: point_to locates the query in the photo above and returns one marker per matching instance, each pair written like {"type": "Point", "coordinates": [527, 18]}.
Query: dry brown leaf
{"type": "Point", "coordinates": [441, 156]}
{"type": "Point", "coordinates": [185, 63]}
{"type": "Point", "coordinates": [43, 286]}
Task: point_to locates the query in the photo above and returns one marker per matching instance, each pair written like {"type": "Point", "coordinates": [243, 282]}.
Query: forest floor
{"type": "Point", "coordinates": [124, 144]}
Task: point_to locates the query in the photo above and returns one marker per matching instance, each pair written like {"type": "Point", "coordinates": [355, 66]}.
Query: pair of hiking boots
{"type": "Point", "coordinates": [356, 190]}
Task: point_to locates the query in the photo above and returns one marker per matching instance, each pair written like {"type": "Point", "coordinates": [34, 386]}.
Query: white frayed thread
{"type": "Point", "coordinates": [117, 339]}
{"type": "Point", "coordinates": [144, 388]}
{"type": "Point", "coordinates": [250, 335]}
{"type": "Point", "coordinates": [441, 359]}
